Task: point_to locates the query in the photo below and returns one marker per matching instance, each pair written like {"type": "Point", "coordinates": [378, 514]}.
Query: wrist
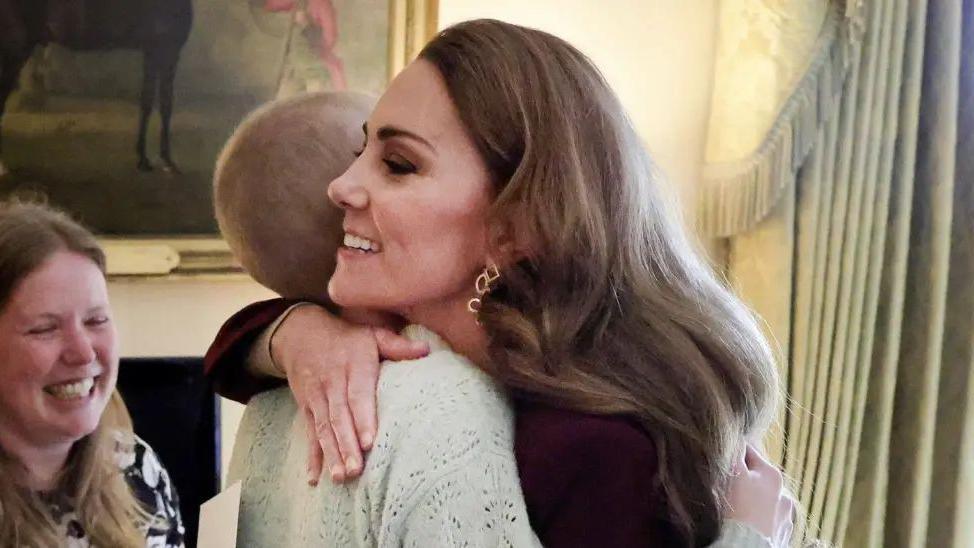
{"type": "Point", "coordinates": [286, 333]}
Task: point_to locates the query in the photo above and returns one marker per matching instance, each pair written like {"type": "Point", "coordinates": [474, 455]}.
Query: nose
{"type": "Point", "coordinates": [347, 192]}
{"type": "Point", "coordinates": [78, 348]}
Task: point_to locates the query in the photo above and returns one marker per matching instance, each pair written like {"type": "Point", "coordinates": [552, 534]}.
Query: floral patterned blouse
{"type": "Point", "coordinates": [149, 482]}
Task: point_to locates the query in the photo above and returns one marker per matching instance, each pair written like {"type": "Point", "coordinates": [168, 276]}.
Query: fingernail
{"type": "Point", "coordinates": [367, 441]}
{"type": "Point", "coordinates": [313, 482]}
{"type": "Point", "coordinates": [351, 464]}
{"type": "Point", "coordinates": [337, 473]}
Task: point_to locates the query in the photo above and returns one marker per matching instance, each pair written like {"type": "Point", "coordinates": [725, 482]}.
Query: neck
{"type": "Point", "coordinates": [43, 463]}
{"type": "Point", "coordinates": [373, 318]}
{"type": "Point", "coordinates": [457, 325]}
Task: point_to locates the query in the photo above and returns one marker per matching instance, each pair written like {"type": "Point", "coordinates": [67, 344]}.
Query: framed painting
{"type": "Point", "coordinates": [117, 109]}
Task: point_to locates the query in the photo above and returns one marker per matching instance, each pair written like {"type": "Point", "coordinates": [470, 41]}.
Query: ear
{"type": "Point", "coordinates": [509, 243]}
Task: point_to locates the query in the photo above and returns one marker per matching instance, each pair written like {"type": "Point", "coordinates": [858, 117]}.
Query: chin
{"type": "Point", "coordinates": [350, 297]}
{"type": "Point", "coordinates": [78, 428]}
{"type": "Point", "coordinates": [86, 421]}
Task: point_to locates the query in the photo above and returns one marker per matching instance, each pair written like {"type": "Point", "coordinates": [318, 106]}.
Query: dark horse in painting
{"type": "Point", "coordinates": [157, 28]}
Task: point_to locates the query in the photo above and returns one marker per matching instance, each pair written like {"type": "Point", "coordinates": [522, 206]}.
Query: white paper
{"type": "Point", "coordinates": [218, 519]}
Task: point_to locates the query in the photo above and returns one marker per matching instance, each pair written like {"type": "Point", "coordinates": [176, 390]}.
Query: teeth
{"type": "Point", "coordinates": [358, 242]}
{"type": "Point", "coordinates": [71, 390]}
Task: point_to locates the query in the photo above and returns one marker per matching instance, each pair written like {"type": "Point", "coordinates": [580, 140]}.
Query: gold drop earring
{"type": "Point", "coordinates": [483, 286]}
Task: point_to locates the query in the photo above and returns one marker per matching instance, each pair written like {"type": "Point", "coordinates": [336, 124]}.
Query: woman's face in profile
{"type": "Point", "coordinates": [415, 202]}
{"type": "Point", "coordinates": [58, 354]}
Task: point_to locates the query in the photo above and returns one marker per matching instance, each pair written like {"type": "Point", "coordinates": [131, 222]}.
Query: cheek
{"type": "Point", "coordinates": [439, 214]}
{"type": "Point", "coordinates": [24, 368]}
{"type": "Point", "coordinates": [106, 344]}
{"type": "Point", "coordinates": [29, 362]}
{"type": "Point", "coordinates": [106, 352]}
{"type": "Point", "coordinates": [438, 239]}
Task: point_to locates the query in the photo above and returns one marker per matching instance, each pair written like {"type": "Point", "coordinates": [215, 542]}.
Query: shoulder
{"type": "Point", "coordinates": [136, 459]}
{"type": "Point", "coordinates": [149, 481]}
{"type": "Point", "coordinates": [142, 468]}
{"type": "Point", "coordinates": [442, 384]}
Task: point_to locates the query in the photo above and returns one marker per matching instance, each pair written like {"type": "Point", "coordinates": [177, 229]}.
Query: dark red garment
{"type": "Point", "coordinates": [229, 350]}
{"type": "Point", "coordinates": [588, 480]}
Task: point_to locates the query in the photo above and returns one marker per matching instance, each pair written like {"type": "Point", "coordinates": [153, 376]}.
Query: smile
{"type": "Point", "coordinates": [72, 390]}
{"type": "Point", "coordinates": [358, 242]}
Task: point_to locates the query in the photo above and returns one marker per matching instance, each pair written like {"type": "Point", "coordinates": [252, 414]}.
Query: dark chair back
{"type": "Point", "coordinates": [175, 411]}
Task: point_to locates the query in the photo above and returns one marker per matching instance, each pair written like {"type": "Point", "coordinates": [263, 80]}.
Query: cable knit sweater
{"type": "Point", "coordinates": [441, 473]}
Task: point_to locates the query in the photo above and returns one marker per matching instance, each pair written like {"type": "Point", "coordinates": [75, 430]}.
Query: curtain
{"type": "Point", "coordinates": [861, 259]}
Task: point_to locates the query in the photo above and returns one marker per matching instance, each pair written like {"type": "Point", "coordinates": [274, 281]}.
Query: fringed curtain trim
{"type": "Point", "coordinates": [737, 195]}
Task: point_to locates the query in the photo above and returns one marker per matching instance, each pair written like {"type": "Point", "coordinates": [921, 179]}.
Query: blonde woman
{"type": "Point", "coordinates": [72, 473]}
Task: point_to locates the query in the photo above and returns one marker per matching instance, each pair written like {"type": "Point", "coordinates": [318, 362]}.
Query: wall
{"type": "Point", "coordinates": [656, 54]}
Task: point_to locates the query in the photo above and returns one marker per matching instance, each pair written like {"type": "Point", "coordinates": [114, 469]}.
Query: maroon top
{"type": "Point", "coordinates": [588, 480]}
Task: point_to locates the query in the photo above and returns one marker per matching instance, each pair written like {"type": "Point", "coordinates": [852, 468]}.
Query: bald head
{"type": "Point", "coordinates": [270, 186]}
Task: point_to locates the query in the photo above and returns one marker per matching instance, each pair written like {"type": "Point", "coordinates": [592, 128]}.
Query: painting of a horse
{"type": "Point", "coordinates": [157, 28]}
{"type": "Point", "coordinates": [93, 74]}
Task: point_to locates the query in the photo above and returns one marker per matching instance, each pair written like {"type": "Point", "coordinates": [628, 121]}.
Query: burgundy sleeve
{"type": "Point", "coordinates": [590, 481]}
{"type": "Point", "coordinates": [224, 359]}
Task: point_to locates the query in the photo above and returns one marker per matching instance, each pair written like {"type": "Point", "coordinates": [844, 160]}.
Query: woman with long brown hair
{"type": "Point", "coordinates": [528, 198]}
{"type": "Point", "coordinates": [72, 473]}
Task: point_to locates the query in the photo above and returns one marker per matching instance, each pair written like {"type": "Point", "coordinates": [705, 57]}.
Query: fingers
{"type": "Point", "coordinates": [343, 431]}
{"type": "Point", "coordinates": [362, 381]}
{"type": "Point", "coordinates": [753, 458]}
{"type": "Point", "coordinates": [397, 348]}
{"type": "Point", "coordinates": [786, 507]}
{"type": "Point", "coordinates": [314, 451]}
{"type": "Point", "coordinates": [318, 415]}
{"type": "Point", "coordinates": [756, 461]}
{"type": "Point", "coordinates": [786, 520]}
{"type": "Point", "coordinates": [756, 497]}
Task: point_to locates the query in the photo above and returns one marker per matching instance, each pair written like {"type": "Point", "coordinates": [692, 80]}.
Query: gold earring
{"type": "Point", "coordinates": [483, 286]}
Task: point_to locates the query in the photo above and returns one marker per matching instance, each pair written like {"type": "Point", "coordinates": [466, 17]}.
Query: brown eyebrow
{"type": "Point", "coordinates": [389, 132]}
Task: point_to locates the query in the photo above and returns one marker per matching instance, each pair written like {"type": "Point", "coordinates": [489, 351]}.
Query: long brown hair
{"type": "Point", "coordinates": [30, 232]}
{"type": "Point", "coordinates": [613, 311]}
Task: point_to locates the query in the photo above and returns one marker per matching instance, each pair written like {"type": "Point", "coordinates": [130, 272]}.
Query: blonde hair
{"type": "Point", "coordinates": [30, 232]}
{"type": "Point", "coordinates": [270, 189]}
{"type": "Point", "coordinates": [613, 311]}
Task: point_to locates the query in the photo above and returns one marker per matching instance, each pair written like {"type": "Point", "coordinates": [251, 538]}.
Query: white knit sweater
{"type": "Point", "coordinates": [441, 473]}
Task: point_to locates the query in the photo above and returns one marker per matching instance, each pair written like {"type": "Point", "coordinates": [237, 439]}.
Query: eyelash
{"type": "Point", "coordinates": [94, 322]}
{"type": "Point", "coordinates": [403, 167]}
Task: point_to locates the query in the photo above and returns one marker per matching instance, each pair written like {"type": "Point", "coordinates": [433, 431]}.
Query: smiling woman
{"type": "Point", "coordinates": [603, 390]}
{"type": "Point", "coordinates": [419, 194]}
{"type": "Point", "coordinates": [71, 470]}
